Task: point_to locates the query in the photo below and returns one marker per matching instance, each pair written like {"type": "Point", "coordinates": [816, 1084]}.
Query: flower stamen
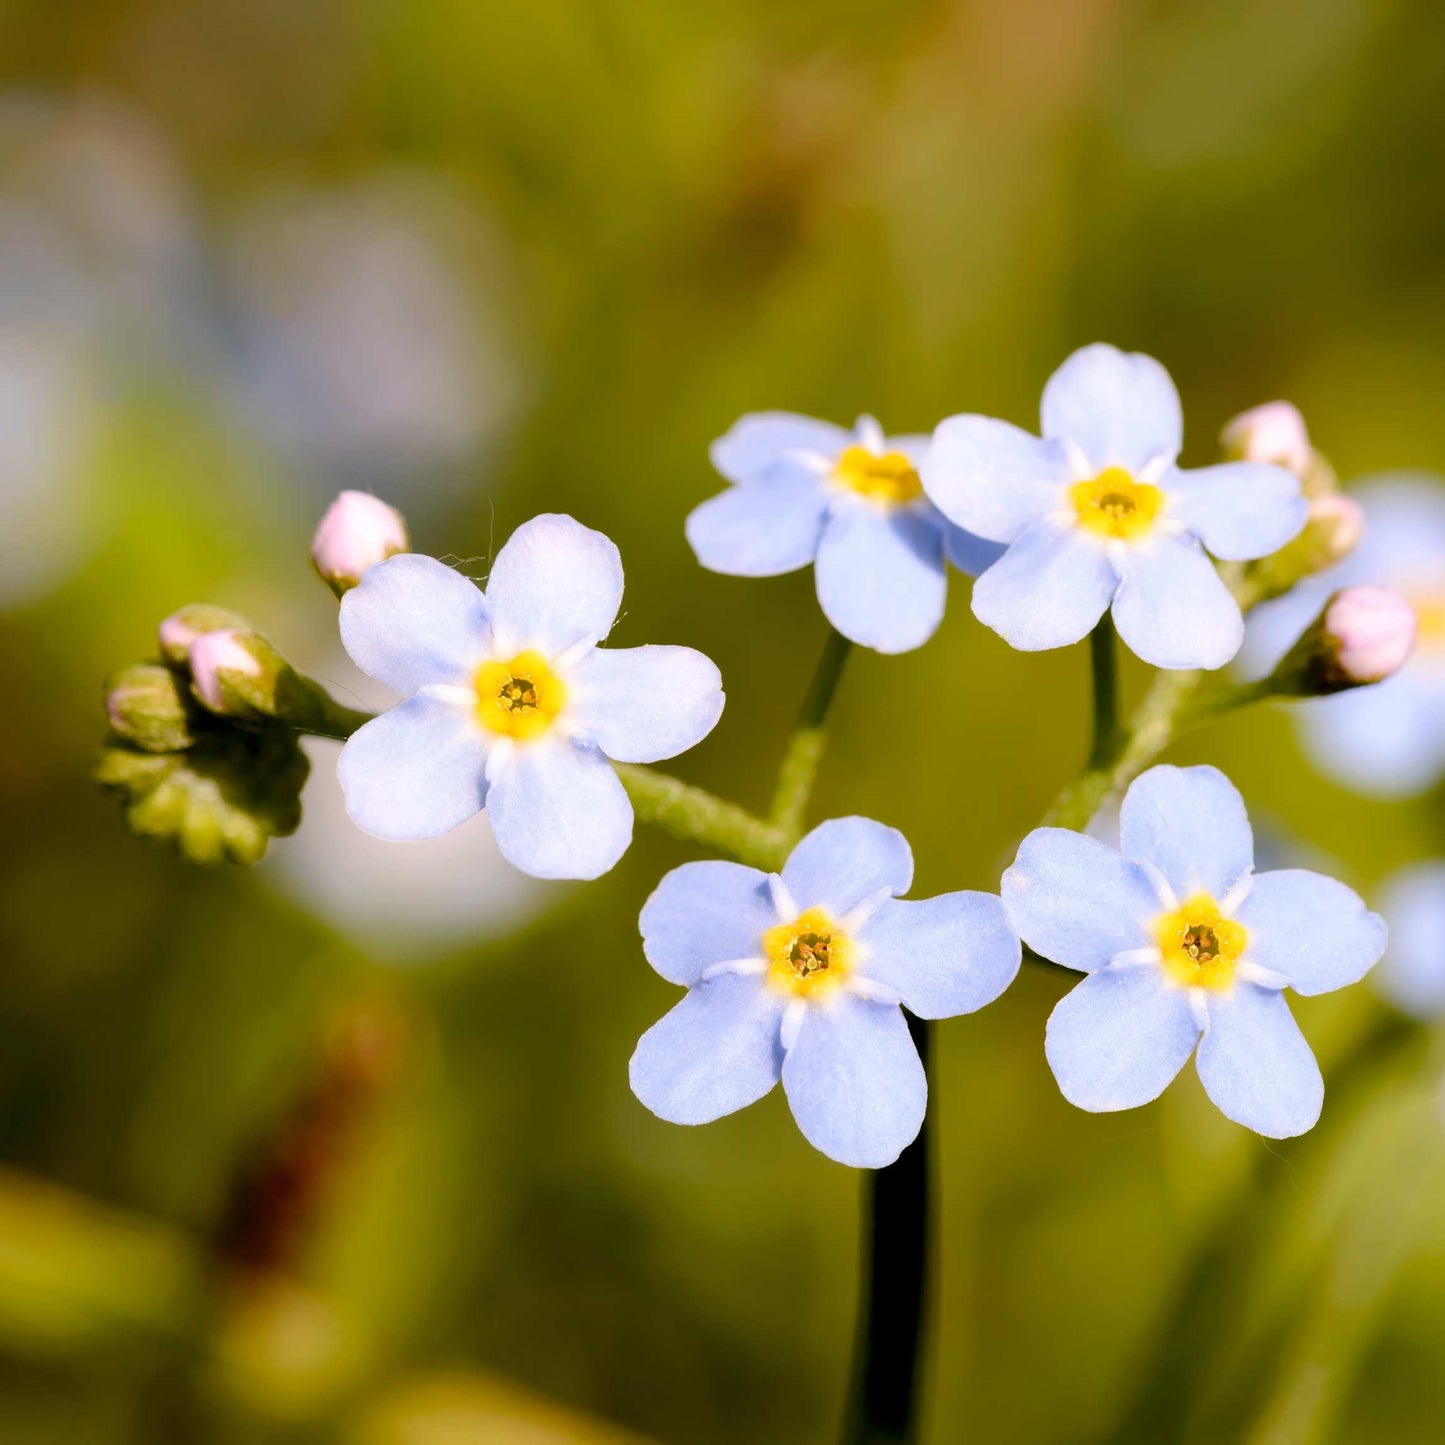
{"type": "Point", "coordinates": [808, 956]}
{"type": "Point", "coordinates": [887, 477]}
{"type": "Point", "coordinates": [518, 699]}
{"type": "Point", "coordinates": [1199, 946]}
{"type": "Point", "coordinates": [1116, 506]}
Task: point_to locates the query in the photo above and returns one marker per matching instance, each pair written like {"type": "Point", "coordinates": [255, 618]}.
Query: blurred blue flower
{"type": "Point", "coordinates": [800, 977]}
{"type": "Point", "coordinates": [1185, 944]}
{"type": "Point", "coordinates": [852, 504]}
{"type": "Point", "coordinates": [510, 703]}
{"type": "Point", "coordinates": [1412, 975]}
{"type": "Point", "coordinates": [1387, 739]}
{"type": "Point", "coordinates": [1096, 514]}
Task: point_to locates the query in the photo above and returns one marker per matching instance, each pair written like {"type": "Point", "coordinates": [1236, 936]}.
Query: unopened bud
{"type": "Point", "coordinates": [1364, 635]}
{"type": "Point", "coordinates": [1273, 433]}
{"type": "Point", "coordinates": [236, 673]}
{"type": "Point", "coordinates": [146, 707]}
{"type": "Point", "coordinates": [1372, 631]}
{"type": "Point", "coordinates": [357, 532]}
{"type": "Point", "coordinates": [182, 628]}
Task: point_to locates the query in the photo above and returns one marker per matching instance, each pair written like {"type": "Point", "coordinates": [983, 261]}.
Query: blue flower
{"type": "Point", "coordinates": [1097, 515]}
{"type": "Point", "coordinates": [1185, 944]}
{"type": "Point", "coordinates": [849, 502]}
{"type": "Point", "coordinates": [510, 703]}
{"type": "Point", "coordinates": [799, 976]}
{"type": "Point", "coordinates": [1387, 739]}
{"type": "Point", "coordinates": [1412, 975]}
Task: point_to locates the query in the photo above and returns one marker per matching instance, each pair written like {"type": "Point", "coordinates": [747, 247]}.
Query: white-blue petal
{"type": "Point", "coordinates": [942, 956]}
{"type": "Point", "coordinates": [555, 583]}
{"type": "Point", "coordinates": [1048, 589]}
{"type": "Point", "coordinates": [880, 575]}
{"type": "Point", "coordinates": [1119, 408]}
{"type": "Point", "coordinates": [1413, 973]}
{"type": "Point", "coordinates": [718, 1051]}
{"type": "Point", "coordinates": [643, 704]}
{"type": "Point", "coordinates": [1239, 510]}
{"type": "Point", "coordinates": [1076, 901]}
{"type": "Point", "coordinates": [1404, 527]}
{"type": "Point", "coordinates": [1387, 739]}
{"type": "Point", "coordinates": [762, 528]}
{"type": "Point", "coordinates": [705, 913]}
{"type": "Point", "coordinates": [1119, 1038]}
{"type": "Point", "coordinates": [416, 771]}
{"type": "Point", "coordinates": [1256, 1066]}
{"type": "Point", "coordinates": [1172, 609]}
{"type": "Point", "coordinates": [845, 860]}
{"type": "Point", "coordinates": [973, 556]}
{"type": "Point", "coordinates": [992, 478]}
{"type": "Point", "coordinates": [413, 621]}
{"type": "Point", "coordinates": [854, 1081]}
{"type": "Point", "coordinates": [558, 810]}
{"type": "Point", "coordinates": [1313, 931]}
{"type": "Point", "coordinates": [1190, 824]}
{"type": "Point", "coordinates": [757, 442]}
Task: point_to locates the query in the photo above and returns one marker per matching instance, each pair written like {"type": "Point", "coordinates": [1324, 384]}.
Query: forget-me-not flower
{"type": "Point", "coordinates": [852, 504]}
{"type": "Point", "coordinates": [1388, 739]}
{"type": "Point", "coordinates": [1097, 514]}
{"type": "Point", "coordinates": [511, 705]}
{"type": "Point", "coordinates": [799, 976]}
{"type": "Point", "coordinates": [1185, 944]}
{"type": "Point", "coordinates": [1412, 975]}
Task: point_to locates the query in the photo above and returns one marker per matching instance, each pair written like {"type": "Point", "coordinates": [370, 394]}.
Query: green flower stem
{"type": "Point", "coordinates": [897, 1245]}
{"type": "Point", "coordinates": [696, 816]}
{"type": "Point", "coordinates": [307, 706]}
{"type": "Point", "coordinates": [1130, 750]}
{"type": "Point", "coordinates": [1104, 655]}
{"type": "Point", "coordinates": [805, 748]}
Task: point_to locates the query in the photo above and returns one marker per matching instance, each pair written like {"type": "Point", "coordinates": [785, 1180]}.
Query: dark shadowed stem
{"type": "Point", "coordinates": [897, 1240]}
{"type": "Point", "coordinates": [805, 748]}
{"type": "Point", "coordinates": [1104, 655]}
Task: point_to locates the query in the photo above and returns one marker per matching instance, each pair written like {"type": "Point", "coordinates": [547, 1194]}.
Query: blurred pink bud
{"type": "Point", "coordinates": [182, 628]}
{"type": "Point", "coordinates": [1339, 522]}
{"type": "Point", "coordinates": [357, 532]}
{"type": "Point", "coordinates": [214, 657]}
{"type": "Point", "coordinates": [1274, 433]}
{"type": "Point", "coordinates": [1369, 633]}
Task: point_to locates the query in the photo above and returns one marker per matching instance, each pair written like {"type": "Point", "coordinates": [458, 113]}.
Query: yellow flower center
{"type": "Point", "coordinates": [518, 699]}
{"type": "Point", "coordinates": [889, 478]}
{"type": "Point", "coordinates": [1429, 618]}
{"type": "Point", "coordinates": [808, 956]}
{"type": "Point", "coordinates": [1116, 506]}
{"type": "Point", "coordinates": [1200, 945]}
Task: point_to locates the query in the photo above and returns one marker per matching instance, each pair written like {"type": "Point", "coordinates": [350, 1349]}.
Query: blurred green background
{"type": "Point", "coordinates": [495, 259]}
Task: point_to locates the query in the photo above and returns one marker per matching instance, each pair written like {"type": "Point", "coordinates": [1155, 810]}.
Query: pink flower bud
{"type": "Point", "coordinates": [1338, 522]}
{"type": "Point", "coordinates": [213, 656]}
{"type": "Point", "coordinates": [357, 532]}
{"type": "Point", "coordinates": [182, 628]}
{"type": "Point", "coordinates": [1273, 433]}
{"type": "Point", "coordinates": [1369, 632]}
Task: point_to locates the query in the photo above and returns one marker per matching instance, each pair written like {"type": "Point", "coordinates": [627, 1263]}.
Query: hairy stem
{"type": "Point", "coordinates": [799, 767]}
{"type": "Point", "coordinates": [1151, 729]}
{"type": "Point", "coordinates": [696, 816]}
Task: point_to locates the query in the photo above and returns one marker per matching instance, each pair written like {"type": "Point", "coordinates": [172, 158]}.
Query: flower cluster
{"type": "Point", "coordinates": [801, 956]}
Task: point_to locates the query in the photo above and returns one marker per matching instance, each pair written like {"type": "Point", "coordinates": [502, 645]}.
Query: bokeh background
{"type": "Point", "coordinates": [342, 1148]}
